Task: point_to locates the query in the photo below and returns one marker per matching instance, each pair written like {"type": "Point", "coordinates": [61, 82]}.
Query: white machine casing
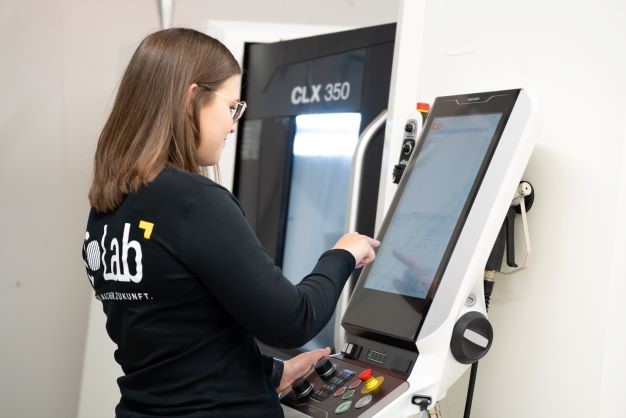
{"type": "Point", "coordinates": [436, 369]}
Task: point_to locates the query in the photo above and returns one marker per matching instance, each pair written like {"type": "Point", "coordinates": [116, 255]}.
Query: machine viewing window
{"type": "Point", "coordinates": [322, 154]}
{"type": "Point", "coordinates": [428, 211]}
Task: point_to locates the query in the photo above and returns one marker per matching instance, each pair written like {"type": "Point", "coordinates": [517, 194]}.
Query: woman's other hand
{"type": "Point", "coordinates": [360, 246]}
{"type": "Point", "coordinates": [300, 365]}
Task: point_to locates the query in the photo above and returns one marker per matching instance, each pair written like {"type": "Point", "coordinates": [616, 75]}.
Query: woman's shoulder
{"type": "Point", "coordinates": [182, 184]}
{"type": "Point", "coordinates": [172, 177]}
{"type": "Point", "coordinates": [194, 192]}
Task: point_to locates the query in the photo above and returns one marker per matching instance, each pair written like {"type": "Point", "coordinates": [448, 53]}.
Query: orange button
{"type": "Point", "coordinates": [425, 107]}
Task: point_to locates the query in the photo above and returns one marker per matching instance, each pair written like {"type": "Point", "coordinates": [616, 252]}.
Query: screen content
{"type": "Point", "coordinates": [431, 203]}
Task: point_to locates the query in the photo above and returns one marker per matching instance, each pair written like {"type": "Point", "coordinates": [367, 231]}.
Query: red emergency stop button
{"type": "Point", "coordinates": [370, 383]}
{"type": "Point", "coordinates": [366, 375]}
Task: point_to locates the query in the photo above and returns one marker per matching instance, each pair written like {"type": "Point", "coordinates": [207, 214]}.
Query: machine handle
{"type": "Point", "coordinates": [354, 194]}
{"type": "Point", "coordinates": [510, 237]}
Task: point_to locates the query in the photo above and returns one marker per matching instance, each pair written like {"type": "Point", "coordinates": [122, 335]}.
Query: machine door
{"type": "Point", "coordinates": [308, 101]}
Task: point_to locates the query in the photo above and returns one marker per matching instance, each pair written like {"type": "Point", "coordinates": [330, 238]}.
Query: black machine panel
{"type": "Point", "coordinates": [426, 216]}
{"type": "Point", "coordinates": [339, 72]}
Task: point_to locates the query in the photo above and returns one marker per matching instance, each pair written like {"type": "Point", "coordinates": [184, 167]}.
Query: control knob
{"type": "Point", "coordinates": [325, 368]}
{"type": "Point", "coordinates": [471, 337]}
{"type": "Point", "coordinates": [407, 147]}
{"type": "Point", "coordinates": [302, 388]}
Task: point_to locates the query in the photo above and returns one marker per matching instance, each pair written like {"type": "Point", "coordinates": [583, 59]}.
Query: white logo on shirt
{"type": "Point", "coordinates": [114, 261]}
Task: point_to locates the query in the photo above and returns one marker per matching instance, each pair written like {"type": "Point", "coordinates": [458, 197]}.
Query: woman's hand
{"type": "Point", "coordinates": [360, 246]}
{"type": "Point", "coordinates": [299, 366]}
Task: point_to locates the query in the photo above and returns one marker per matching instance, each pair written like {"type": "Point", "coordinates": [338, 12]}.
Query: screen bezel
{"type": "Point", "coordinates": [374, 312]}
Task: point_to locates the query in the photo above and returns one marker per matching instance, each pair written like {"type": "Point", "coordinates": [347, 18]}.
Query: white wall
{"type": "Point", "coordinates": [60, 64]}
{"type": "Point", "coordinates": [58, 68]}
{"type": "Point", "coordinates": [559, 325]}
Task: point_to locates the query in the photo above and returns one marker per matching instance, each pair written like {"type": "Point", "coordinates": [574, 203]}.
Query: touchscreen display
{"type": "Point", "coordinates": [428, 211]}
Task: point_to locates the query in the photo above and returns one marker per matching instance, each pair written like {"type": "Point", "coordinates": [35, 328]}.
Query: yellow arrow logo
{"type": "Point", "coordinates": [147, 228]}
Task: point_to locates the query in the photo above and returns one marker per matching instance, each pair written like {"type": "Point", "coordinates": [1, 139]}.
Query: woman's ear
{"type": "Point", "coordinates": [190, 92]}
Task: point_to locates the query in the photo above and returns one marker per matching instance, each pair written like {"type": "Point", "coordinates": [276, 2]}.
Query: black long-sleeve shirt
{"type": "Point", "coordinates": [186, 287]}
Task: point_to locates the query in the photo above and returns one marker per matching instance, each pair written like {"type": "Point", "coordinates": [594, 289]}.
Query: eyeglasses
{"type": "Point", "coordinates": [236, 111]}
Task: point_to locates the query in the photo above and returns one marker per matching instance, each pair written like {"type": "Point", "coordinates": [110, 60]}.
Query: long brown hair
{"type": "Point", "coordinates": [150, 126]}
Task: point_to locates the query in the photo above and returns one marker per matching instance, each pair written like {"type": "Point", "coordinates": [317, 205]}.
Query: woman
{"type": "Point", "coordinates": [185, 284]}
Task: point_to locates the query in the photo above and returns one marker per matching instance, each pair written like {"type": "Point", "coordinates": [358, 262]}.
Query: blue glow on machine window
{"type": "Point", "coordinates": [323, 148]}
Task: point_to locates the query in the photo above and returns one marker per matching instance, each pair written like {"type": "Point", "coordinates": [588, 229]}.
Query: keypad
{"type": "Point", "coordinates": [345, 374]}
{"type": "Point", "coordinates": [337, 381]}
{"type": "Point", "coordinates": [320, 395]}
{"type": "Point", "coordinates": [336, 387]}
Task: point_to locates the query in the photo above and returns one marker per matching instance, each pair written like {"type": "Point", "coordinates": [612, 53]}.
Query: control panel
{"type": "Point", "coordinates": [408, 323]}
{"type": "Point", "coordinates": [339, 385]}
{"type": "Point", "coordinates": [408, 144]}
